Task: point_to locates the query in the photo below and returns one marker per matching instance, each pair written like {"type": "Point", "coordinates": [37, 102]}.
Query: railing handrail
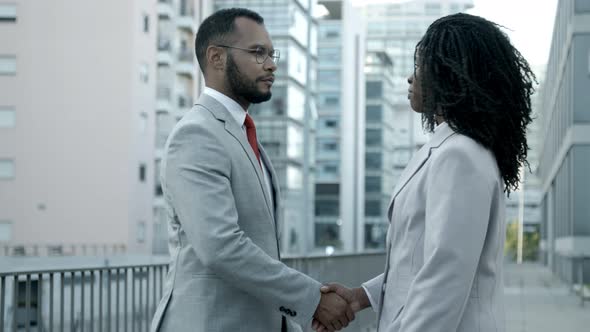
{"type": "Point", "coordinates": [106, 263]}
{"type": "Point", "coordinates": [110, 262]}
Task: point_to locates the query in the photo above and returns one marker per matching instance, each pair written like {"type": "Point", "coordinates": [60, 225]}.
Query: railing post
{"type": "Point", "coordinates": [2, 297]}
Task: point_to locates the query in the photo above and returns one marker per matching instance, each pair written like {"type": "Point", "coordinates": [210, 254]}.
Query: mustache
{"type": "Point", "coordinates": [267, 78]}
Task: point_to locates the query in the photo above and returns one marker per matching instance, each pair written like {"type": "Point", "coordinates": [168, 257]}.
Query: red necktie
{"type": "Point", "coordinates": [251, 133]}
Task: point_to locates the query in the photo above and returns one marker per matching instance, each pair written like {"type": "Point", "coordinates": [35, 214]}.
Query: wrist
{"type": "Point", "coordinates": [362, 298]}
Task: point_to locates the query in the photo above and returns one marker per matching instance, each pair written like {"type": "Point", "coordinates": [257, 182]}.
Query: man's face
{"type": "Point", "coordinates": [415, 88]}
{"type": "Point", "coordinates": [245, 77]}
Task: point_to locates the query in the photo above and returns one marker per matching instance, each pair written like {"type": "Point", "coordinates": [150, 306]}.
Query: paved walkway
{"type": "Point", "coordinates": [536, 301]}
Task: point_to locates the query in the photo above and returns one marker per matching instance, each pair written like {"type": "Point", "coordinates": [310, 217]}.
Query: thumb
{"type": "Point", "coordinates": [329, 287]}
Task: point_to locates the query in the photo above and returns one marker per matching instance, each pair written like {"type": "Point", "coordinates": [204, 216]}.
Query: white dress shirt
{"type": "Point", "coordinates": [239, 114]}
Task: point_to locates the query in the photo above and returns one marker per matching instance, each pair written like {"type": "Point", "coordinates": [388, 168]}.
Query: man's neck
{"type": "Point", "coordinates": [222, 89]}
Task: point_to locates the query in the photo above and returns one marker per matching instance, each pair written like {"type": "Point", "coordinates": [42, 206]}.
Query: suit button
{"type": "Point", "coordinates": [294, 313]}
{"type": "Point", "coordinates": [282, 309]}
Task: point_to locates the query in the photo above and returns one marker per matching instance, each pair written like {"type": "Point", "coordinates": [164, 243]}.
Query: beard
{"type": "Point", "coordinates": [241, 86]}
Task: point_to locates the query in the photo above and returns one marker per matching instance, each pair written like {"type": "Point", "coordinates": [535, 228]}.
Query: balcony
{"type": "Point", "coordinates": [185, 65]}
{"type": "Point", "coordinates": [121, 293]}
{"type": "Point", "coordinates": [165, 52]}
{"type": "Point", "coordinates": [164, 98]}
{"type": "Point", "coordinates": [186, 19]}
{"type": "Point", "coordinates": [185, 102]}
{"type": "Point", "coordinates": [165, 9]}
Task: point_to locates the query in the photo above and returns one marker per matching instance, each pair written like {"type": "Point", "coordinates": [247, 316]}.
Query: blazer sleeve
{"type": "Point", "coordinates": [197, 175]}
{"type": "Point", "coordinates": [373, 289]}
{"type": "Point", "coordinates": [458, 202]}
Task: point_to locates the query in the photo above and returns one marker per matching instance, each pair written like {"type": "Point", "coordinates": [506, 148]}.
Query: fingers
{"type": "Point", "coordinates": [337, 325]}
{"type": "Point", "coordinates": [349, 314]}
{"type": "Point", "coordinates": [315, 324]}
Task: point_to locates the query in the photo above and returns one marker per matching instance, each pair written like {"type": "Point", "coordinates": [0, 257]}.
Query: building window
{"type": "Point", "coordinates": [375, 236]}
{"type": "Point", "coordinates": [7, 12]}
{"type": "Point", "coordinates": [372, 208]}
{"type": "Point", "coordinates": [5, 230]}
{"type": "Point", "coordinates": [432, 9]}
{"type": "Point", "coordinates": [327, 234]}
{"type": "Point", "coordinates": [142, 171]}
{"type": "Point", "coordinates": [157, 184]}
{"type": "Point", "coordinates": [7, 117]}
{"type": "Point", "coordinates": [141, 232]}
{"type": "Point", "coordinates": [144, 72]}
{"type": "Point", "coordinates": [6, 169]}
{"type": "Point", "coordinates": [373, 184]}
{"type": "Point", "coordinates": [143, 122]}
{"type": "Point", "coordinates": [374, 90]}
{"type": "Point", "coordinates": [374, 113]}
{"type": "Point", "coordinates": [374, 138]}
{"type": "Point", "coordinates": [373, 161]}
{"type": "Point", "coordinates": [7, 64]}
{"type": "Point", "coordinates": [146, 23]}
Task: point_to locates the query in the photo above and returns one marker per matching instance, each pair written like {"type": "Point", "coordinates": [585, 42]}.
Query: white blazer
{"type": "Point", "coordinates": [445, 242]}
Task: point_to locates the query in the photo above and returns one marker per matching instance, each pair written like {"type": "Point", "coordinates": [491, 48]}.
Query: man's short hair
{"type": "Point", "coordinates": [216, 29]}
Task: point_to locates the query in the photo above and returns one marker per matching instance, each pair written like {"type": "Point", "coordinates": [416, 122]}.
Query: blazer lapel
{"type": "Point", "coordinates": [274, 187]}
{"type": "Point", "coordinates": [232, 127]}
{"type": "Point", "coordinates": [419, 159]}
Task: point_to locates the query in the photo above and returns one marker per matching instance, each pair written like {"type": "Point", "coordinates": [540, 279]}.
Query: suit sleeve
{"type": "Point", "coordinates": [458, 203]}
{"type": "Point", "coordinates": [198, 182]}
{"type": "Point", "coordinates": [373, 289]}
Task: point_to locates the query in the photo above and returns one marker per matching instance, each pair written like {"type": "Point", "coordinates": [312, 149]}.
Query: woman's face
{"type": "Point", "coordinates": [415, 88]}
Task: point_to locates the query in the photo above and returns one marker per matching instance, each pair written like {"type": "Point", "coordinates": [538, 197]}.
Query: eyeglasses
{"type": "Point", "coordinates": [261, 53]}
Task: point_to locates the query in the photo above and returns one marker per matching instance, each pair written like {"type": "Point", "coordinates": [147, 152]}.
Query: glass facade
{"type": "Point", "coordinates": [281, 122]}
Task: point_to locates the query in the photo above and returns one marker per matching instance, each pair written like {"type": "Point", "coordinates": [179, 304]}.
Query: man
{"type": "Point", "coordinates": [446, 239]}
{"type": "Point", "coordinates": [222, 198]}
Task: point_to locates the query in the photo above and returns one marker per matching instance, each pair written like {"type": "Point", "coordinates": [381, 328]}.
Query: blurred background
{"type": "Point", "coordinates": [89, 91]}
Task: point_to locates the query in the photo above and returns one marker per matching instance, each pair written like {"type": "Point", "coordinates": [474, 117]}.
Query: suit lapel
{"type": "Point", "coordinates": [419, 160]}
{"type": "Point", "coordinates": [274, 187]}
{"type": "Point", "coordinates": [232, 127]}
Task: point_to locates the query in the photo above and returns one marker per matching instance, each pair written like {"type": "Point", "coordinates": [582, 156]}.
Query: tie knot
{"type": "Point", "coordinates": [249, 123]}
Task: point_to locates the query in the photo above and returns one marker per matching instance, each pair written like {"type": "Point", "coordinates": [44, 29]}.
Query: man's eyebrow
{"type": "Point", "coordinates": [257, 45]}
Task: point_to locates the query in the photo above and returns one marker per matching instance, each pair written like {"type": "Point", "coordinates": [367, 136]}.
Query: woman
{"type": "Point", "coordinates": [446, 236]}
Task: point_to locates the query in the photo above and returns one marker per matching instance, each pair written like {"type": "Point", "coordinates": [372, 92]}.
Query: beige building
{"type": "Point", "coordinates": [86, 88]}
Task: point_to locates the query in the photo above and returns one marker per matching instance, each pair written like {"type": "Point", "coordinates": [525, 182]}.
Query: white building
{"type": "Point", "coordinates": [340, 148]}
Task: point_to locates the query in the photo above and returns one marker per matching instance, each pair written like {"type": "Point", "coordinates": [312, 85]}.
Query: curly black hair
{"type": "Point", "coordinates": [474, 78]}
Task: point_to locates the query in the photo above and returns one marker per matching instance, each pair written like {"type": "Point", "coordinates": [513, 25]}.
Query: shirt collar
{"type": "Point", "coordinates": [237, 112]}
{"type": "Point", "coordinates": [440, 125]}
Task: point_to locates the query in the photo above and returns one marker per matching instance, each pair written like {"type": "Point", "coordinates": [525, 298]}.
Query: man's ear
{"type": "Point", "coordinates": [216, 57]}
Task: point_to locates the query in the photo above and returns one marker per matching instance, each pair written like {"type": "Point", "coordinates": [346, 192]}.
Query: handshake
{"type": "Point", "coordinates": [338, 305]}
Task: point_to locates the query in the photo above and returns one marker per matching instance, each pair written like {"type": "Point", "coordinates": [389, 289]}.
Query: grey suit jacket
{"type": "Point", "coordinates": [225, 273]}
{"type": "Point", "coordinates": [445, 242]}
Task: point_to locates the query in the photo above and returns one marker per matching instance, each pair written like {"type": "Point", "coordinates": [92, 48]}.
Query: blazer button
{"type": "Point", "coordinates": [294, 313]}
{"type": "Point", "coordinates": [282, 309]}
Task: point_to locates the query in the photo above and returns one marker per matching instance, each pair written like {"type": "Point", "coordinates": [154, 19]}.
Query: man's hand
{"type": "Point", "coordinates": [356, 297]}
{"type": "Point", "coordinates": [333, 312]}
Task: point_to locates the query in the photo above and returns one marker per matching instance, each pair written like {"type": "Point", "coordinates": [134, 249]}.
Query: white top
{"type": "Point", "coordinates": [239, 114]}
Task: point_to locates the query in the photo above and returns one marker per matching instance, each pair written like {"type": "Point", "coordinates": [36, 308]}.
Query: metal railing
{"type": "Point", "coordinates": [578, 284]}
{"type": "Point", "coordinates": [122, 293]}
{"type": "Point", "coordinates": [75, 249]}
{"type": "Point", "coordinates": [120, 297]}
